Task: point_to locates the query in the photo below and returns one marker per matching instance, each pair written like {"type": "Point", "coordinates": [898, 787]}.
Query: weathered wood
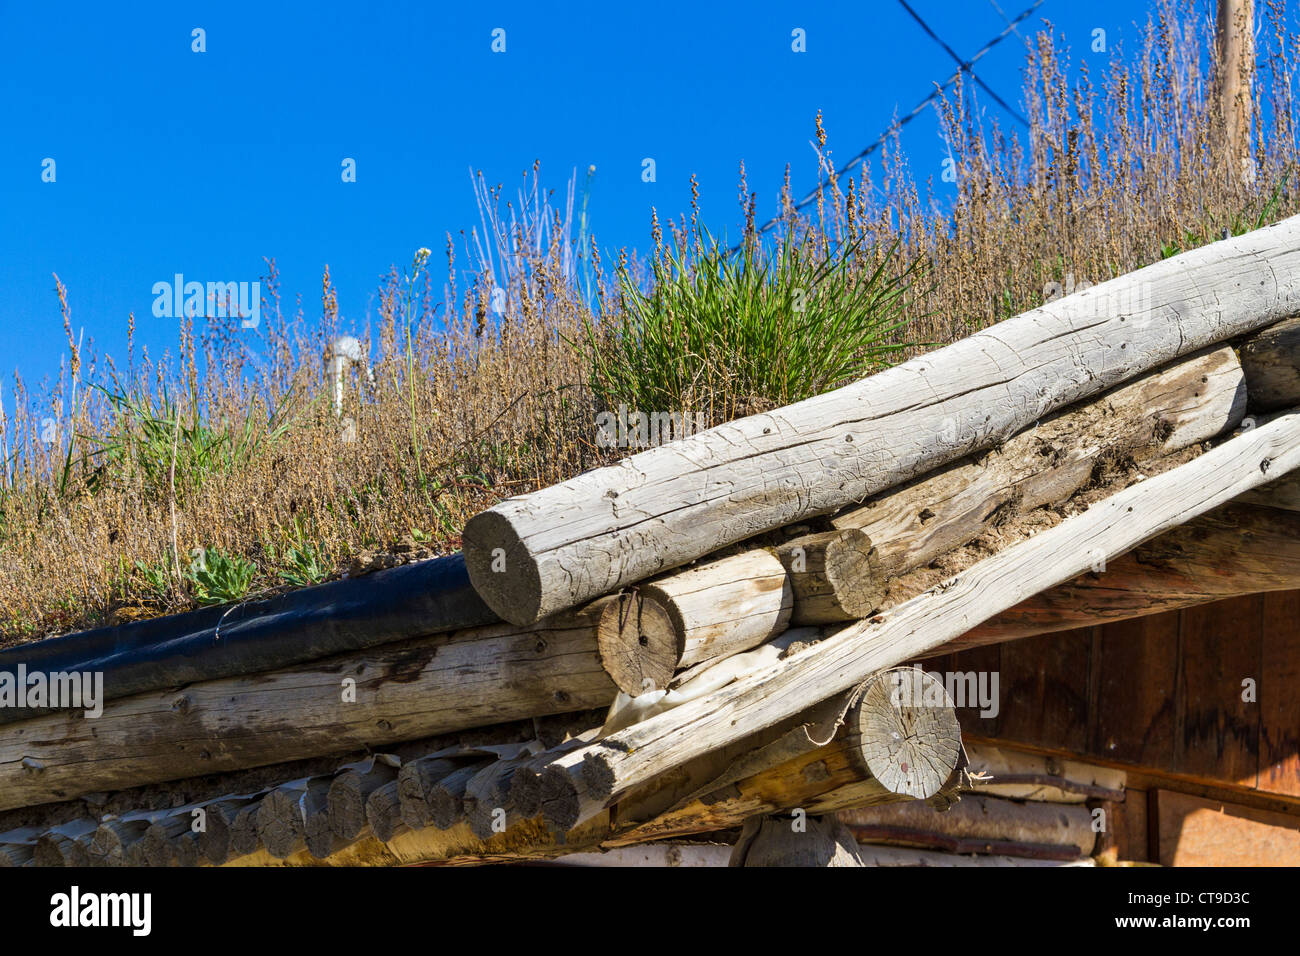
{"type": "Point", "coordinates": [542, 552]}
{"type": "Point", "coordinates": [725, 606]}
{"type": "Point", "coordinates": [280, 824]}
{"type": "Point", "coordinates": [1016, 775]}
{"type": "Point", "coordinates": [1233, 551]}
{"type": "Point", "coordinates": [836, 576]}
{"type": "Point", "coordinates": [112, 840]}
{"type": "Point", "coordinates": [905, 734]}
{"type": "Point", "coordinates": [639, 646]}
{"type": "Point", "coordinates": [17, 854]}
{"type": "Point", "coordinates": [415, 782]}
{"type": "Point", "coordinates": [1279, 704]}
{"type": "Point", "coordinates": [243, 833]}
{"type": "Point", "coordinates": [899, 741]}
{"type": "Point", "coordinates": [384, 812]}
{"type": "Point", "coordinates": [979, 824]}
{"type": "Point", "coordinates": [447, 798]}
{"type": "Point", "coordinates": [1155, 415]}
{"type": "Point", "coordinates": [1217, 724]}
{"type": "Point", "coordinates": [396, 692]}
{"type": "Point", "coordinates": [489, 807]}
{"type": "Point", "coordinates": [170, 841]}
{"type": "Point", "coordinates": [65, 845]}
{"type": "Point", "coordinates": [349, 792]}
{"type": "Point", "coordinates": [214, 838]}
{"type": "Point", "coordinates": [1271, 361]}
{"type": "Point", "coordinates": [582, 782]}
{"type": "Point", "coordinates": [814, 841]}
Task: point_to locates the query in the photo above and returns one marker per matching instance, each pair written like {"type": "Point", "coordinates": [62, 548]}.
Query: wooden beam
{"type": "Point", "coordinates": [694, 616]}
{"type": "Point", "coordinates": [1233, 551]}
{"type": "Point", "coordinates": [402, 691]}
{"type": "Point", "coordinates": [1153, 416]}
{"type": "Point", "coordinates": [979, 824]}
{"type": "Point", "coordinates": [542, 552]}
{"type": "Point", "coordinates": [580, 783]}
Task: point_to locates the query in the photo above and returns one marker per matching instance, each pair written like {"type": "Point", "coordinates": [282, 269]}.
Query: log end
{"type": "Point", "coordinates": [639, 646]}
{"type": "Point", "coordinates": [502, 570]}
{"type": "Point", "coordinates": [909, 739]}
{"type": "Point", "coordinates": [854, 573]}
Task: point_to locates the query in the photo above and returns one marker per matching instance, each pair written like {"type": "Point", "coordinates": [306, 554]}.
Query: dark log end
{"type": "Point", "coordinates": [384, 812]}
{"type": "Point", "coordinates": [560, 805]}
{"type": "Point", "coordinates": [347, 806]}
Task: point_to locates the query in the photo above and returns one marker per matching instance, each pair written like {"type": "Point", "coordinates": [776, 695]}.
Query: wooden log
{"type": "Point", "coordinates": [17, 854]}
{"type": "Point", "coordinates": [876, 854]}
{"type": "Point", "coordinates": [897, 740]}
{"type": "Point", "coordinates": [243, 834]}
{"type": "Point", "coordinates": [489, 809]}
{"type": "Point", "coordinates": [415, 783]}
{"type": "Point", "coordinates": [215, 836]}
{"type": "Point", "coordinates": [724, 607]}
{"type": "Point", "coordinates": [1232, 551]}
{"type": "Point", "coordinates": [65, 845]}
{"type": "Point", "coordinates": [542, 552]}
{"type": "Point", "coordinates": [836, 576]}
{"type": "Point", "coordinates": [814, 841]}
{"type": "Point", "coordinates": [350, 791]}
{"type": "Point", "coordinates": [384, 812]}
{"type": "Point", "coordinates": [579, 784]}
{"type": "Point", "coordinates": [111, 841]}
{"type": "Point", "coordinates": [171, 841]}
{"type": "Point", "coordinates": [447, 797]}
{"type": "Point", "coordinates": [1014, 774]}
{"type": "Point", "coordinates": [979, 824]}
{"type": "Point", "coordinates": [318, 836]}
{"type": "Point", "coordinates": [1271, 361]}
{"type": "Point", "coordinates": [402, 691]}
{"type": "Point", "coordinates": [289, 811]}
{"type": "Point", "coordinates": [1153, 416]}
{"type": "Point", "coordinates": [639, 646]}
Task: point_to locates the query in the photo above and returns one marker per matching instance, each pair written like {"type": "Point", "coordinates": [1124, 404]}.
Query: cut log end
{"type": "Point", "coordinates": [908, 736]}
{"type": "Point", "coordinates": [384, 812]}
{"type": "Point", "coordinates": [639, 646]}
{"type": "Point", "coordinates": [836, 576]}
{"type": "Point", "coordinates": [504, 573]}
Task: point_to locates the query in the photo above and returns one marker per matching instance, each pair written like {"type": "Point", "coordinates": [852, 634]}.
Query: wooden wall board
{"type": "Point", "coordinates": [1198, 832]}
{"type": "Point", "coordinates": [1218, 732]}
{"type": "Point", "coordinates": [1279, 695]}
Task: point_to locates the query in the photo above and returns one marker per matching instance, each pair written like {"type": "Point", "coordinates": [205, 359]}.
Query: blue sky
{"type": "Point", "coordinates": [173, 161]}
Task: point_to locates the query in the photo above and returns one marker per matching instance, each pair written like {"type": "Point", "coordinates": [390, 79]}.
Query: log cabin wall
{"type": "Point", "coordinates": [1214, 771]}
